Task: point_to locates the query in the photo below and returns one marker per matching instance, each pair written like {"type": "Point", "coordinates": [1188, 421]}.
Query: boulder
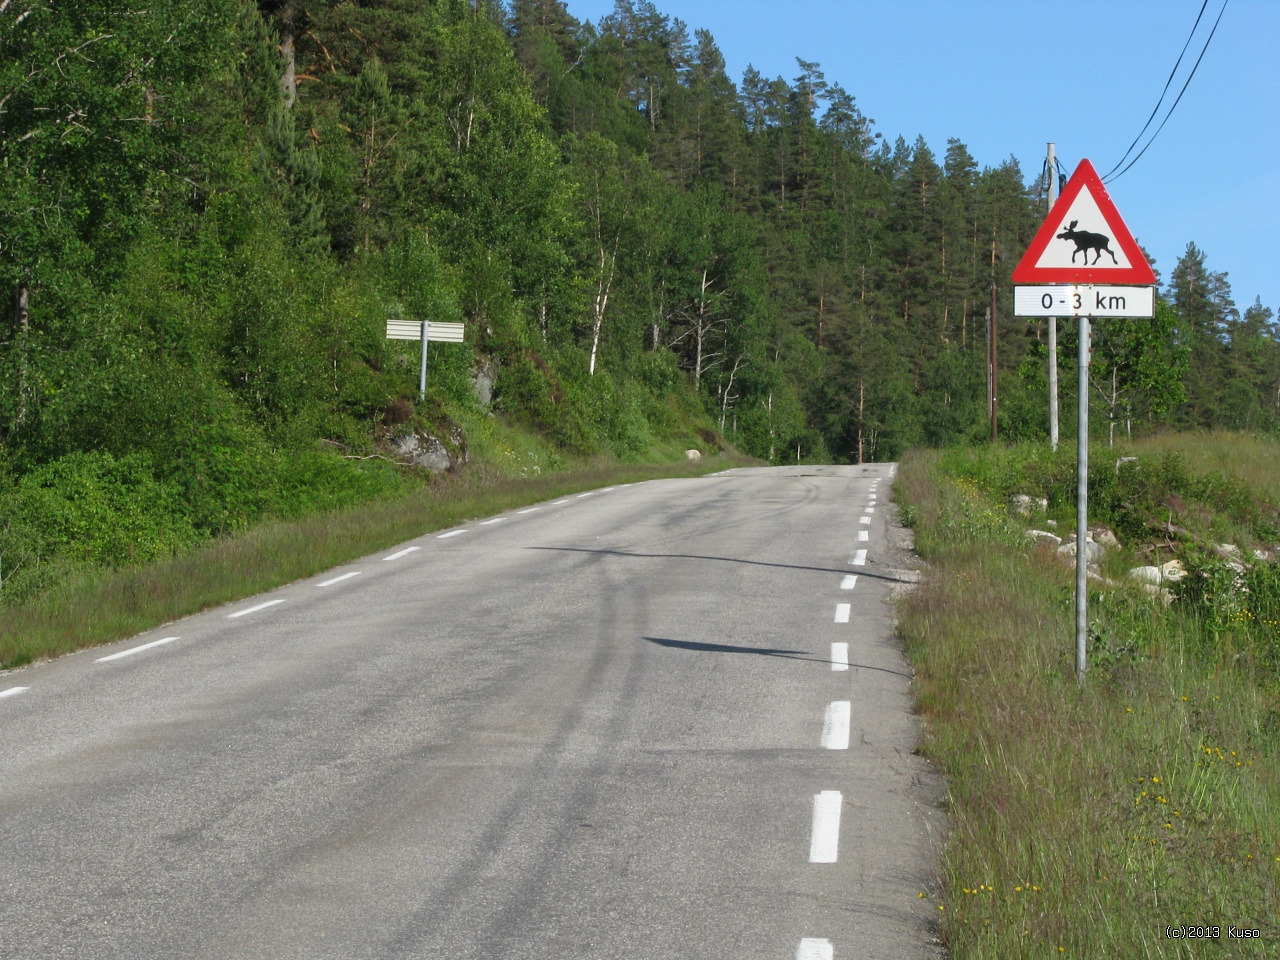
{"type": "Point", "coordinates": [423, 450]}
{"type": "Point", "coordinates": [1025, 506]}
{"type": "Point", "coordinates": [485, 376]}
{"type": "Point", "coordinates": [1094, 552]}
{"type": "Point", "coordinates": [1147, 576]}
{"type": "Point", "coordinates": [1173, 571]}
{"type": "Point", "coordinates": [1105, 536]}
{"type": "Point", "coordinates": [1044, 537]}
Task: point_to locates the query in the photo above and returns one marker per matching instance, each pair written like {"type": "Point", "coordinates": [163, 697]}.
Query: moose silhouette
{"type": "Point", "coordinates": [1086, 241]}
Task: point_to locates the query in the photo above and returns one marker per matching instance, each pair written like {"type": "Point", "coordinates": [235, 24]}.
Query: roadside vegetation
{"type": "Point", "coordinates": [1100, 821]}
{"type": "Point", "coordinates": [87, 604]}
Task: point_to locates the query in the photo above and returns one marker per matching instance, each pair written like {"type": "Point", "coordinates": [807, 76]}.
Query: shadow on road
{"type": "Point", "coordinates": [860, 571]}
{"type": "Point", "coordinates": [730, 648]}
{"type": "Point", "coordinates": [760, 652]}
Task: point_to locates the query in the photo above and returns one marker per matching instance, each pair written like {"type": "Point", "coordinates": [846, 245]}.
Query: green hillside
{"type": "Point", "coordinates": [211, 209]}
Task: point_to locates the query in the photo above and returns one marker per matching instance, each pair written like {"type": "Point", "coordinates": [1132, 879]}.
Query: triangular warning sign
{"type": "Point", "coordinates": [1083, 240]}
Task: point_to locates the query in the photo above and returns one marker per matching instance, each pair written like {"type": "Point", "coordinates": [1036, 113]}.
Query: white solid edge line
{"type": "Point", "coordinates": [835, 725]}
{"type": "Point", "coordinates": [451, 533]}
{"type": "Point", "coordinates": [261, 606]}
{"type": "Point", "coordinates": [815, 948]}
{"type": "Point", "coordinates": [485, 523]}
{"type": "Point", "coordinates": [530, 510]}
{"type": "Point", "coordinates": [13, 692]}
{"type": "Point", "coordinates": [849, 582]}
{"type": "Point", "coordinates": [842, 612]}
{"type": "Point", "coordinates": [824, 841]}
{"type": "Point", "coordinates": [345, 576]}
{"type": "Point", "coordinates": [401, 553]}
{"type": "Point", "coordinates": [863, 536]}
{"type": "Point", "coordinates": [860, 558]}
{"type": "Point", "coordinates": [839, 656]}
{"type": "Point", "coordinates": [133, 650]}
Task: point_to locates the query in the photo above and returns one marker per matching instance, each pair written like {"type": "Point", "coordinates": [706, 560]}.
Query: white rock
{"type": "Point", "coordinates": [1149, 576]}
{"type": "Point", "coordinates": [1094, 552]}
{"type": "Point", "coordinates": [1044, 536]}
{"type": "Point", "coordinates": [1173, 571]}
{"type": "Point", "coordinates": [693, 454]}
{"type": "Point", "coordinates": [1105, 536]}
{"type": "Point", "coordinates": [1024, 505]}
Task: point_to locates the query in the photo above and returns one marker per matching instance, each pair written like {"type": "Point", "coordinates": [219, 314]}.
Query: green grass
{"type": "Point", "coordinates": [1085, 820]}
{"type": "Point", "coordinates": [102, 605]}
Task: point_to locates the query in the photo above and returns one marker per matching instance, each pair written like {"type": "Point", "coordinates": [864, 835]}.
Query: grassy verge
{"type": "Point", "coordinates": [1090, 822]}
{"type": "Point", "coordinates": [100, 606]}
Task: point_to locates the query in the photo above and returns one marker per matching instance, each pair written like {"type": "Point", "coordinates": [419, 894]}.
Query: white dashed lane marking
{"type": "Point", "coordinates": [13, 692]}
{"type": "Point", "coordinates": [401, 553]}
{"type": "Point", "coordinates": [824, 841]}
{"type": "Point", "coordinates": [132, 650]}
{"type": "Point", "coordinates": [254, 609]}
{"type": "Point", "coordinates": [345, 576]}
{"type": "Point", "coordinates": [815, 948]}
{"type": "Point", "coordinates": [849, 582]}
{"type": "Point", "coordinates": [835, 725]}
{"type": "Point", "coordinates": [839, 656]}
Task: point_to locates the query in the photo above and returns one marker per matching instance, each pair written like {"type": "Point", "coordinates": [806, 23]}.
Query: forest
{"type": "Point", "coordinates": [211, 209]}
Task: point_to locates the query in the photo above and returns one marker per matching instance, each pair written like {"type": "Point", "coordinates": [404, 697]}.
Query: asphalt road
{"type": "Point", "coordinates": [655, 722]}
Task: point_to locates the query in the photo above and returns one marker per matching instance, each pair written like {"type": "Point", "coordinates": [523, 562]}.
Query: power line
{"type": "Point", "coordinates": [1167, 84]}
{"type": "Point", "coordinates": [1203, 50]}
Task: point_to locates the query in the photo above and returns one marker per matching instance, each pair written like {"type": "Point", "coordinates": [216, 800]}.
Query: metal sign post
{"type": "Point", "coordinates": [1082, 503]}
{"type": "Point", "coordinates": [1057, 278]}
{"type": "Point", "coordinates": [439, 332]}
{"type": "Point", "coordinates": [422, 370]}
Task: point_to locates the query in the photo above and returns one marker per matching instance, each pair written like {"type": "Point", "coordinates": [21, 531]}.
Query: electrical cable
{"type": "Point", "coordinates": [1172, 73]}
{"type": "Point", "coordinates": [1179, 100]}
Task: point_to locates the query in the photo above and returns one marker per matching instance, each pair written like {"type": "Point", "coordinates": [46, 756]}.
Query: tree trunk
{"type": "Point", "coordinates": [288, 35]}
{"type": "Point", "coordinates": [700, 330]}
{"type": "Point", "coordinates": [724, 400]}
{"type": "Point", "coordinates": [22, 324]}
{"type": "Point", "coordinates": [822, 303]}
{"type": "Point", "coordinates": [603, 285]}
{"type": "Point", "coordinates": [862, 398]}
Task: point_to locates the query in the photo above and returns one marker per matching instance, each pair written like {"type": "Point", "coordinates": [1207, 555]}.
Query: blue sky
{"type": "Point", "coordinates": [1007, 76]}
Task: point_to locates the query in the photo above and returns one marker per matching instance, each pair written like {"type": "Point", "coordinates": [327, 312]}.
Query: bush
{"type": "Point", "coordinates": [94, 508]}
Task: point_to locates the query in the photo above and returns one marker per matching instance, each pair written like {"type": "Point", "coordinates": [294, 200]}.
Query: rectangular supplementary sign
{"type": "Point", "coordinates": [1083, 300]}
{"type": "Point", "coordinates": [436, 332]}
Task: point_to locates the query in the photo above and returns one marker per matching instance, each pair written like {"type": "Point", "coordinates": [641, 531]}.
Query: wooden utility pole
{"type": "Point", "coordinates": [1053, 321]}
{"type": "Point", "coordinates": [993, 355]}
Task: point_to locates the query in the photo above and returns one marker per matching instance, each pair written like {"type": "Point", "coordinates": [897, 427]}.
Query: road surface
{"type": "Point", "coordinates": [654, 722]}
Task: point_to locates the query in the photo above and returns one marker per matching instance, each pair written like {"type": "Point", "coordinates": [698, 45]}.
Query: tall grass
{"type": "Point", "coordinates": [1088, 821]}
{"type": "Point", "coordinates": [101, 605]}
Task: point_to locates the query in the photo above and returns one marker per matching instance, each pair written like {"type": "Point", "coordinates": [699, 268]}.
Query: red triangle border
{"type": "Point", "coordinates": [1138, 273]}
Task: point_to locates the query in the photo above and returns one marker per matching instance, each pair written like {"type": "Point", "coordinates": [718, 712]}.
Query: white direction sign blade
{"type": "Point", "coordinates": [1083, 300]}
{"type": "Point", "coordinates": [436, 332]}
